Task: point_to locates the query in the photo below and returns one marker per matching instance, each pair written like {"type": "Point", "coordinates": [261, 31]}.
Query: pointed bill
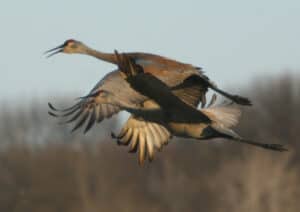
{"type": "Point", "coordinates": [54, 51]}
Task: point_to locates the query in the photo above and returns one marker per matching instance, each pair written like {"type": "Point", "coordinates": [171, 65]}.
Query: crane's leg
{"type": "Point", "coordinates": [275, 147]}
{"type": "Point", "coordinates": [231, 135]}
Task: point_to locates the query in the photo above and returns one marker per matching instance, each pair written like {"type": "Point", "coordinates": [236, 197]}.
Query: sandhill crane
{"type": "Point", "coordinates": [179, 118]}
{"type": "Point", "coordinates": [171, 72]}
{"type": "Point", "coordinates": [113, 94]}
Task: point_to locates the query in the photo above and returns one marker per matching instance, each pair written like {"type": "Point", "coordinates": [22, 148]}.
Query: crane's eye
{"type": "Point", "coordinates": [73, 45]}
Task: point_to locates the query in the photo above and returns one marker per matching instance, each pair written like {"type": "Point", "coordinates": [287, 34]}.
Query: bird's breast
{"type": "Point", "coordinates": [188, 130]}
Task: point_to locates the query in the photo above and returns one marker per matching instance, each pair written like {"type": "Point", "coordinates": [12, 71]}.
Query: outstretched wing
{"type": "Point", "coordinates": [143, 136]}
{"type": "Point", "coordinates": [89, 109]}
{"type": "Point", "coordinates": [94, 107]}
{"type": "Point", "coordinates": [86, 110]}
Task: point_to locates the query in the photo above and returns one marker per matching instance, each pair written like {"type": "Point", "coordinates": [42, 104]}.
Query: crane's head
{"type": "Point", "coordinates": [70, 46]}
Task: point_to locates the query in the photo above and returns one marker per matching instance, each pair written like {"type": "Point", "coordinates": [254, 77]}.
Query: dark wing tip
{"type": "Point", "coordinates": [113, 135]}
{"type": "Point", "coordinates": [117, 138]}
{"type": "Point", "coordinates": [52, 114]}
{"type": "Point", "coordinates": [51, 106]}
{"type": "Point", "coordinates": [90, 122]}
{"type": "Point", "coordinates": [241, 100]}
{"type": "Point", "coordinates": [81, 121]}
{"type": "Point", "coordinates": [133, 150]}
{"type": "Point", "coordinates": [198, 68]}
{"type": "Point", "coordinates": [150, 158]}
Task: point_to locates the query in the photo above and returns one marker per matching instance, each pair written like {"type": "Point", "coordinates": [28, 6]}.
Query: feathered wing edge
{"type": "Point", "coordinates": [85, 111]}
{"type": "Point", "coordinates": [143, 136]}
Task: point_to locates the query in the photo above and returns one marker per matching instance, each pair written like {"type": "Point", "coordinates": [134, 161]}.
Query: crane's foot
{"type": "Point", "coordinates": [276, 147]}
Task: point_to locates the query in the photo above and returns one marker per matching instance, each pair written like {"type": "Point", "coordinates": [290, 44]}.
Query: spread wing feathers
{"type": "Point", "coordinates": [90, 110]}
{"type": "Point", "coordinates": [87, 110]}
{"type": "Point", "coordinates": [143, 136]}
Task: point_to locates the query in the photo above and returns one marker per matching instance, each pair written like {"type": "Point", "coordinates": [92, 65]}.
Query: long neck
{"type": "Point", "coordinates": [111, 58]}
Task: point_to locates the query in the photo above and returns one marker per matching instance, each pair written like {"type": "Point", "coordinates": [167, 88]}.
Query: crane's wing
{"type": "Point", "coordinates": [86, 110]}
{"type": "Point", "coordinates": [143, 136]}
{"type": "Point", "coordinates": [148, 85]}
{"type": "Point", "coordinates": [191, 93]}
{"type": "Point", "coordinates": [93, 105]}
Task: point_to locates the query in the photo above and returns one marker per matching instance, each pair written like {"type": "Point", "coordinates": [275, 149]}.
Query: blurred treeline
{"type": "Point", "coordinates": [45, 168]}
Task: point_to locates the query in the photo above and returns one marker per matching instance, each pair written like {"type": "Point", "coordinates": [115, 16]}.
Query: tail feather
{"type": "Point", "coordinates": [224, 115]}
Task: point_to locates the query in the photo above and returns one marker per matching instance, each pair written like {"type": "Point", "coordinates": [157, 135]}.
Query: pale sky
{"type": "Point", "coordinates": [233, 41]}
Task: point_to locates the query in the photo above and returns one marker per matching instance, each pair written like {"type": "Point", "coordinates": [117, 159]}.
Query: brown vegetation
{"type": "Point", "coordinates": [45, 168]}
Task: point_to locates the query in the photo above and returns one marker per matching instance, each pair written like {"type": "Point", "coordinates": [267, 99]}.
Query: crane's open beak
{"type": "Point", "coordinates": [55, 50]}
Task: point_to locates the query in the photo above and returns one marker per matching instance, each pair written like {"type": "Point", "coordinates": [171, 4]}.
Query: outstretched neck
{"type": "Point", "coordinates": [111, 58]}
